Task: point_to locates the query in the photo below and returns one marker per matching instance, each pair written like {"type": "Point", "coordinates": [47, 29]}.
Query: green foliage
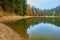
{"type": "Point", "coordinates": [46, 12]}
{"type": "Point", "coordinates": [19, 6]}
{"type": "Point", "coordinates": [24, 7]}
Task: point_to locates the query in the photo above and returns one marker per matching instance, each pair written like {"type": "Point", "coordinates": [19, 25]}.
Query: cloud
{"type": "Point", "coordinates": [44, 4]}
{"type": "Point", "coordinates": [33, 2]}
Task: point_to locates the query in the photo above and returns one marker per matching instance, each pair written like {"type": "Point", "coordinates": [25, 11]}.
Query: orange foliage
{"type": "Point", "coordinates": [29, 10]}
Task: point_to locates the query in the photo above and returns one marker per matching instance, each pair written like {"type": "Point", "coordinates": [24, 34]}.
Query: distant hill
{"type": "Point", "coordinates": [51, 11]}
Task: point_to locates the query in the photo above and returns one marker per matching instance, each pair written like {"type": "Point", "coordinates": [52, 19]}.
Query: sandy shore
{"type": "Point", "coordinates": [7, 33]}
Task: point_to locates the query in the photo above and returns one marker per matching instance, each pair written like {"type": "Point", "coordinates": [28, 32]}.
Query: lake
{"type": "Point", "coordinates": [37, 28]}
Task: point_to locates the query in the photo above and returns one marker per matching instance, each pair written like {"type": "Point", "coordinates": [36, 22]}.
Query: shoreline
{"type": "Point", "coordinates": [6, 30]}
{"type": "Point", "coordinates": [14, 18]}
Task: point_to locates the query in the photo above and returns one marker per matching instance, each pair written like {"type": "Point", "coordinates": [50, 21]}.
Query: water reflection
{"type": "Point", "coordinates": [20, 26]}
{"type": "Point", "coordinates": [44, 31]}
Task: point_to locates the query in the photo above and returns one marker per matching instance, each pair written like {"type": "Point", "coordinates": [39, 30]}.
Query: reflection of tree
{"type": "Point", "coordinates": [20, 26]}
{"type": "Point", "coordinates": [55, 21]}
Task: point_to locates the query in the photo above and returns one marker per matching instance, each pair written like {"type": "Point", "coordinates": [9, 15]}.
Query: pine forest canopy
{"type": "Point", "coordinates": [17, 6]}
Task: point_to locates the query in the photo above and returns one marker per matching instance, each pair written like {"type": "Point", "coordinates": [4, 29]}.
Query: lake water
{"type": "Point", "coordinates": [37, 28]}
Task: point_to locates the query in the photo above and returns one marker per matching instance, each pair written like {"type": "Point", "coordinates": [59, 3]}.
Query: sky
{"type": "Point", "coordinates": [44, 4]}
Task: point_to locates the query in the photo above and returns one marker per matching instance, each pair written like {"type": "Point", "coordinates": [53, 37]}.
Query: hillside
{"type": "Point", "coordinates": [53, 11]}
{"type": "Point", "coordinates": [19, 7]}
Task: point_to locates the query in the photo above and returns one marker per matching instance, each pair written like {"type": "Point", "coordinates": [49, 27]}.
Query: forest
{"type": "Point", "coordinates": [16, 6]}
{"type": "Point", "coordinates": [20, 7]}
{"type": "Point", "coordinates": [45, 12]}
